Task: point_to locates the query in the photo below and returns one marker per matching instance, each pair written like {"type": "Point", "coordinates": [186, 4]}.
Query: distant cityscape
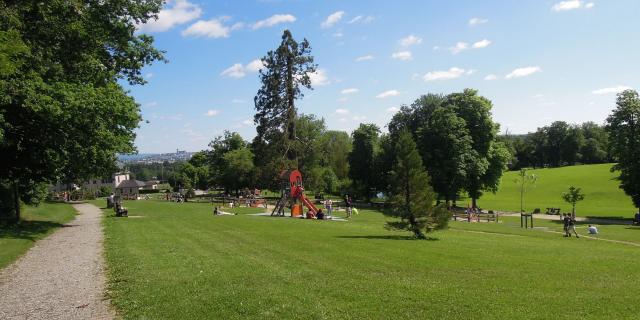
{"type": "Point", "coordinates": [149, 158]}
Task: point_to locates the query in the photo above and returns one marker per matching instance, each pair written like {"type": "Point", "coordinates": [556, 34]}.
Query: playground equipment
{"type": "Point", "coordinates": [292, 196]}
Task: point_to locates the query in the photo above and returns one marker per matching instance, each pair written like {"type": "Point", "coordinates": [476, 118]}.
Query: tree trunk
{"type": "Point", "coordinates": [16, 199]}
{"type": "Point", "coordinates": [474, 203]}
{"type": "Point", "coordinates": [291, 113]}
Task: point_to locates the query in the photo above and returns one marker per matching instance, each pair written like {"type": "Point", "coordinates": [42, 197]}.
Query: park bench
{"type": "Point", "coordinates": [489, 216]}
{"type": "Point", "coordinates": [554, 211]}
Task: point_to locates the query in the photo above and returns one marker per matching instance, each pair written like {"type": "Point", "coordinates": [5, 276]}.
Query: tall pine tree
{"type": "Point", "coordinates": [286, 70]}
{"type": "Point", "coordinates": [412, 195]}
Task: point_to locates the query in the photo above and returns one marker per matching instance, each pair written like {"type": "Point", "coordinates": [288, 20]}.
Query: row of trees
{"type": "Point", "coordinates": [560, 144]}
{"type": "Point", "coordinates": [456, 139]}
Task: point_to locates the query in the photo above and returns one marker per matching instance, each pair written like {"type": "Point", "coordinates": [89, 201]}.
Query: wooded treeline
{"type": "Point", "coordinates": [560, 144]}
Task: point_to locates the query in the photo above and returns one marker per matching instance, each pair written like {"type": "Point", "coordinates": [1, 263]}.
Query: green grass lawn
{"type": "Point", "coordinates": [177, 261]}
{"type": "Point", "coordinates": [37, 223]}
{"type": "Point", "coordinates": [603, 198]}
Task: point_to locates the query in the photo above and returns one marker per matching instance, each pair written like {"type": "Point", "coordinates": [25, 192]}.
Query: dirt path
{"type": "Point", "coordinates": [61, 277]}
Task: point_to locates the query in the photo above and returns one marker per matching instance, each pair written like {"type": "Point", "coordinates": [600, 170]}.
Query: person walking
{"type": "Point", "coordinates": [572, 226]}
{"type": "Point", "coordinates": [328, 204]}
{"type": "Point", "coordinates": [347, 205]}
{"type": "Point", "coordinates": [565, 223]}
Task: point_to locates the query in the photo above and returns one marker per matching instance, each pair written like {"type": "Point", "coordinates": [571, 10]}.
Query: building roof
{"type": "Point", "coordinates": [131, 183]}
{"type": "Point", "coordinates": [151, 182]}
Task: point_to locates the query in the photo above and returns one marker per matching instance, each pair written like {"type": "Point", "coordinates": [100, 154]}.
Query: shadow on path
{"type": "Point", "coordinates": [30, 230]}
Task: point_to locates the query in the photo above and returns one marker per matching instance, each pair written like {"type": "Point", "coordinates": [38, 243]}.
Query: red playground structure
{"type": "Point", "coordinates": [292, 196]}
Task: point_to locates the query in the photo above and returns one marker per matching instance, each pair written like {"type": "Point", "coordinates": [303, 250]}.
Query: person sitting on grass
{"type": "Point", "coordinates": [592, 229]}
{"type": "Point", "coordinates": [320, 215]}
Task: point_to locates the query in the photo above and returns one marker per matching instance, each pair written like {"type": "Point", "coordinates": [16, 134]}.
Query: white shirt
{"type": "Point", "coordinates": [593, 230]}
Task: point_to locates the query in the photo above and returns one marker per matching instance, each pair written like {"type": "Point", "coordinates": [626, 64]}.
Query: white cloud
{"type": "Point", "coordinates": [349, 91]}
{"type": "Point", "coordinates": [149, 75]}
{"type": "Point", "coordinates": [393, 109]}
{"type": "Point", "coordinates": [343, 99]}
{"type": "Point", "coordinates": [152, 104]}
{"type": "Point", "coordinates": [410, 40]}
{"type": "Point", "coordinates": [359, 118]}
{"type": "Point", "coordinates": [338, 34]}
{"type": "Point", "coordinates": [254, 66]}
{"type": "Point", "coordinates": [332, 19]}
{"type": "Point", "coordinates": [452, 73]}
{"type": "Point", "coordinates": [477, 21]}
{"type": "Point", "coordinates": [361, 19]}
{"type": "Point", "coordinates": [616, 89]}
{"type": "Point", "coordinates": [274, 20]}
{"type": "Point", "coordinates": [174, 13]}
{"type": "Point", "coordinates": [212, 113]}
{"type": "Point", "coordinates": [208, 28]}
{"type": "Point", "coordinates": [388, 93]}
{"type": "Point", "coordinates": [402, 55]}
{"type": "Point", "coordinates": [491, 77]}
{"type": "Point", "coordinates": [235, 71]}
{"type": "Point", "coordinates": [523, 72]}
{"type": "Point", "coordinates": [459, 47]}
{"type": "Point", "coordinates": [364, 58]}
{"type": "Point", "coordinates": [481, 44]}
{"type": "Point", "coordinates": [571, 5]}
{"type": "Point", "coordinates": [237, 101]}
{"type": "Point", "coordinates": [319, 78]}
{"type": "Point", "coordinates": [342, 111]}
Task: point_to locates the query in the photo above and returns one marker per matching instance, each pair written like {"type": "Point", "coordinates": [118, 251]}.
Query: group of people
{"type": "Point", "coordinates": [569, 224]}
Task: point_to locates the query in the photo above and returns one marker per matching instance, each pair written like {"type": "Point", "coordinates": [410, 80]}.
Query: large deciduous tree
{"type": "Point", "coordinates": [362, 160]}
{"type": "Point", "coordinates": [623, 126]}
{"type": "Point", "coordinates": [411, 195]}
{"type": "Point", "coordinates": [286, 71]}
{"type": "Point", "coordinates": [63, 115]}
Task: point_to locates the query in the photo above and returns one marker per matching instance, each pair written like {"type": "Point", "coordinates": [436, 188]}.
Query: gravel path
{"type": "Point", "coordinates": [62, 276]}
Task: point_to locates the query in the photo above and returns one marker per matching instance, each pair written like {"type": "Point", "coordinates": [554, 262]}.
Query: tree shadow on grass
{"type": "Point", "coordinates": [389, 237]}
{"type": "Point", "coordinates": [29, 230]}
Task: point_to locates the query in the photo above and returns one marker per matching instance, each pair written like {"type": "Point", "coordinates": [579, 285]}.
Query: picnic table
{"type": "Point", "coordinates": [553, 211]}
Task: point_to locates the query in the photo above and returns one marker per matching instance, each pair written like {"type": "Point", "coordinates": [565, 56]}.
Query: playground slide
{"type": "Point", "coordinates": [308, 204]}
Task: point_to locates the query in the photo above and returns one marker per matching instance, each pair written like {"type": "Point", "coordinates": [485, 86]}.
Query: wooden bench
{"type": "Point", "coordinates": [489, 216]}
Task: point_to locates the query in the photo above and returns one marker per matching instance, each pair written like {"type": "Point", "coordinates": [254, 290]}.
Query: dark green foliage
{"type": "Point", "coordinates": [334, 148]}
{"type": "Point", "coordinates": [63, 116]}
{"type": "Point", "coordinates": [457, 140]}
{"type": "Point", "coordinates": [362, 160]}
{"type": "Point", "coordinates": [623, 126]}
{"type": "Point", "coordinates": [411, 194]}
{"type": "Point", "coordinates": [560, 144]}
{"type": "Point", "coordinates": [285, 73]}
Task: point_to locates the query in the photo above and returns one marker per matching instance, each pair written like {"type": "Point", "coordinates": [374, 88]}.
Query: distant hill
{"type": "Point", "coordinates": [602, 196]}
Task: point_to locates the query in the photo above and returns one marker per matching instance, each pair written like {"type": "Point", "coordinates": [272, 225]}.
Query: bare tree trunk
{"type": "Point", "coordinates": [16, 199]}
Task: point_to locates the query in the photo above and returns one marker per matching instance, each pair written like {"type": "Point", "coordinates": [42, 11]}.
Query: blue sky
{"type": "Point", "coordinates": [537, 61]}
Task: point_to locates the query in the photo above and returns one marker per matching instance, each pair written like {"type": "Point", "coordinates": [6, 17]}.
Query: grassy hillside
{"type": "Point", "coordinates": [178, 261]}
{"type": "Point", "coordinates": [602, 196]}
{"type": "Point", "coordinates": [37, 223]}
